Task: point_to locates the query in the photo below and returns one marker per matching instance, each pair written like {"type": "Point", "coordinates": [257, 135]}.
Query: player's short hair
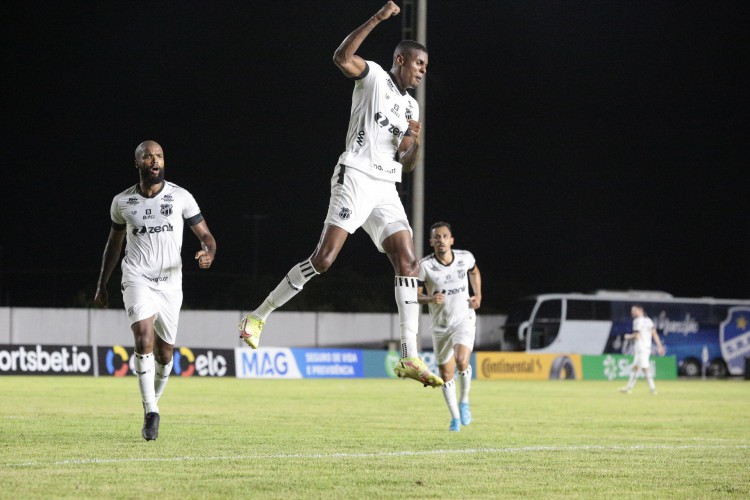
{"type": "Point", "coordinates": [139, 149]}
{"type": "Point", "coordinates": [408, 47]}
{"type": "Point", "coordinates": [441, 224]}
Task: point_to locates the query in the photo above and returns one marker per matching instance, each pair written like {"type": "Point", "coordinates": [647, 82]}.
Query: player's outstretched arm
{"type": "Point", "coordinates": [111, 256]}
{"type": "Point", "coordinates": [659, 345]}
{"type": "Point", "coordinates": [475, 280]}
{"type": "Point", "coordinates": [204, 256]}
{"type": "Point", "coordinates": [346, 57]}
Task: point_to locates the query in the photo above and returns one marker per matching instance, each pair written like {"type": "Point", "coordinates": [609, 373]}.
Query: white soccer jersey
{"type": "Point", "coordinates": [379, 119]}
{"type": "Point", "coordinates": [154, 234]}
{"type": "Point", "coordinates": [451, 280]}
{"type": "Point", "coordinates": [644, 326]}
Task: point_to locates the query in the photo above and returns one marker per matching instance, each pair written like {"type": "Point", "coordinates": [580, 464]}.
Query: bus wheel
{"type": "Point", "coordinates": [718, 369]}
{"type": "Point", "coordinates": [691, 368]}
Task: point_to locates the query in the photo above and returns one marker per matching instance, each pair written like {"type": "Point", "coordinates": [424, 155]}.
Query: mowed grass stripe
{"type": "Point", "coordinates": [314, 456]}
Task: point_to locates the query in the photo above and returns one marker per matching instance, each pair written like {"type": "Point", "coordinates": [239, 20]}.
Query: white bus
{"type": "Point", "coordinates": [700, 332]}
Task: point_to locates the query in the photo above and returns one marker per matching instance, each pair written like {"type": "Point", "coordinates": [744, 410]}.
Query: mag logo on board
{"type": "Point", "coordinates": [46, 360]}
{"type": "Point", "coordinates": [266, 362]}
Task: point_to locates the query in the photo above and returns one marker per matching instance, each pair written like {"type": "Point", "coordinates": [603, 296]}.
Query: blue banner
{"type": "Point", "coordinates": [330, 363]}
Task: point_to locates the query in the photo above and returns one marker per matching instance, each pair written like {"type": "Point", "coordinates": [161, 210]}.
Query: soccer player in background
{"type": "Point", "coordinates": [381, 143]}
{"type": "Point", "coordinates": [150, 217]}
{"type": "Point", "coordinates": [643, 331]}
{"type": "Point", "coordinates": [444, 278]}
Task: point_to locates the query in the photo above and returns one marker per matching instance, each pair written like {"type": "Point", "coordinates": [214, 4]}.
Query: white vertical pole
{"type": "Point", "coordinates": [417, 217]}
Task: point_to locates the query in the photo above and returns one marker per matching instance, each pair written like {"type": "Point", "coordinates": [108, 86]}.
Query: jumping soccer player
{"type": "Point", "coordinates": [382, 142]}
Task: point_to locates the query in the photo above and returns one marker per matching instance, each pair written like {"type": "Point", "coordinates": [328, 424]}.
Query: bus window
{"type": "Point", "coordinates": [602, 310]}
{"type": "Point", "coordinates": [588, 310]}
{"type": "Point", "coordinates": [546, 324]}
{"type": "Point", "coordinates": [580, 309]}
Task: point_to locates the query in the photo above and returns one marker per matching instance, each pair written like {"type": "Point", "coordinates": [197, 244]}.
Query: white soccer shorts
{"type": "Point", "coordinates": [358, 200]}
{"type": "Point", "coordinates": [642, 358]}
{"type": "Point", "coordinates": [142, 302]}
{"type": "Point", "coordinates": [443, 342]}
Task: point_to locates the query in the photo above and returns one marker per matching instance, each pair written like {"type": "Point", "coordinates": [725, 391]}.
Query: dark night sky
{"type": "Point", "coordinates": [574, 145]}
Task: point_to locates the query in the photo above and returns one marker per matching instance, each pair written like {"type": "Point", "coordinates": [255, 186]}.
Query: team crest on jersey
{"type": "Point", "coordinates": [461, 274]}
{"type": "Point", "coordinates": [409, 112]}
{"type": "Point", "coordinates": [734, 337]}
{"type": "Point", "coordinates": [345, 213]}
{"type": "Point", "coordinates": [166, 209]}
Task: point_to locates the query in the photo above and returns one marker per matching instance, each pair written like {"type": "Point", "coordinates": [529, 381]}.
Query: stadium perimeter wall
{"type": "Point", "coordinates": [218, 329]}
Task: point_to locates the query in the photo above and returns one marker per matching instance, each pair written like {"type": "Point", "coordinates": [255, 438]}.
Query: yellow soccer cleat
{"type": "Point", "coordinates": [416, 369]}
{"type": "Point", "coordinates": [250, 329]}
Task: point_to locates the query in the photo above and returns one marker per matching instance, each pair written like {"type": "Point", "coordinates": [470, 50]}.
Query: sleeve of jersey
{"type": "Point", "coordinates": [422, 280]}
{"type": "Point", "coordinates": [365, 71]}
{"type": "Point", "coordinates": [472, 261]}
{"type": "Point", "coordinates": [370, 75]}
{"type": "Point", "coordinates": [191, 212]}
{"type": "Point", "coordinates": [422, 274]}
{"type": "Point", "coordinates": [118, 221]}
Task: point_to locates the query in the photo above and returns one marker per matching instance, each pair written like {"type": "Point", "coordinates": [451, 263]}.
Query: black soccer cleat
{"type": "Point", "coordinates": [150, 429]}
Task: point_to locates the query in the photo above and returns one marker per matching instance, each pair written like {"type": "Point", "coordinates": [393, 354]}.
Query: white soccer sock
{"type": "Point", "coordinates": [144, 370]}
{"type": "Point", "coordinates": [464, 379]}
{"type": "Point", "coordinates": [287, 288]}
{"type": "Point", "coordinates": [631, 381]}
{"type": "Point", "coordinates": [449, 393]}
{"type": "Point", "coordinates": [408, 314]}
{"type": "Point", "coordinates": [650, 380]}
{"type": "Point", "coordinates": [162, 377]}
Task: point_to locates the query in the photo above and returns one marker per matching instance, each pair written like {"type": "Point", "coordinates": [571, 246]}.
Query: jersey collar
{"type": "Point", "coordinates": [453, 255]}
{"type": "Point", "coordinates": [395, 82]}
{"type": "Point", "coordinates": [138, 188]}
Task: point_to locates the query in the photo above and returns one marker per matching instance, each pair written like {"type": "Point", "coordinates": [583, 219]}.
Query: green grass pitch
{"type": "Point", "coordinates": [79, 437]}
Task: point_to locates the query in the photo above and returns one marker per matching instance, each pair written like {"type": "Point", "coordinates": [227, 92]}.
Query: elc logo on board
{"type": "Point", "coordinates": [46, 360]}
{"type": "Point", "coordinates": [118, 361]}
